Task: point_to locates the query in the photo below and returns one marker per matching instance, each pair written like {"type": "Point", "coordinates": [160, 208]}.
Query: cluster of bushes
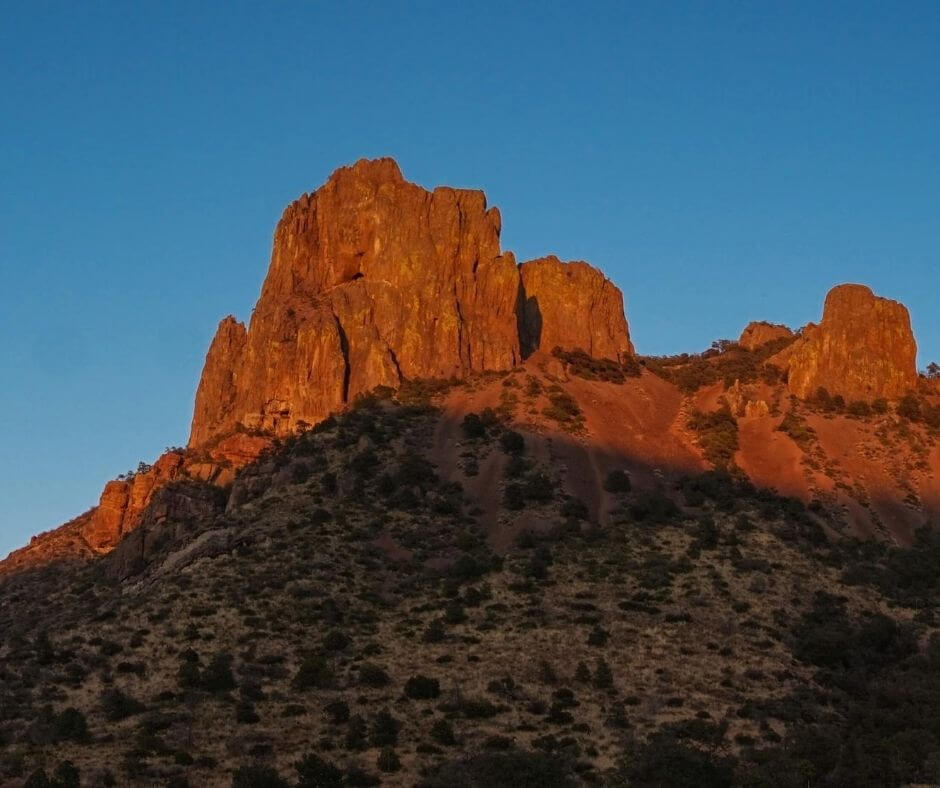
{"type": "Point", "coordinates": [796, 427]}
{"type": "Point", "coordinates": [564, 409]}
{"type": "Point", "coordinates": [535, 487]}
{"type": "Point", "coordinates": [914, 409]}
{"type": "Point", "coordinates": [608, 370]}
{"type": "Point", "coordinates": [717, 435]}
{"type": "Point", "coordinates": [823, 401]}
{"type": "Point", "coordinates": [727, 363]}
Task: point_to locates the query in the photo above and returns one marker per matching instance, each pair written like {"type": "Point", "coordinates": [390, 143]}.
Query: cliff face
{"type": "Point", "coordinates": [863, 349]}
{"type": "Point", "coordinates": [374, 280]}
{"type": "Point", "coordinates": [571, 305]}
{"type": "Point", "coordinates": [759, 333]}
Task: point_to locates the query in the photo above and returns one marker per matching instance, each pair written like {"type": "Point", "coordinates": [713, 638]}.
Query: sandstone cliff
{"type": "Point", "coordinates": [863, 349]}
{"type": "Point", "coordinates": [571, 305]}
{"type": "Point", "coordinates": [374, 280]}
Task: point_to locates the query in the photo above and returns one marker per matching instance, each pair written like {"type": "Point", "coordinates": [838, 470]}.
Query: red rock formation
{"type": "Point", "coordinates": [571, 305]}
{"type": "Point", "coordinates": [759, 333]}
{"type": "Point", "coordinates": [372, 280]}
{"type": "Point", "coordinates": [863, 349]}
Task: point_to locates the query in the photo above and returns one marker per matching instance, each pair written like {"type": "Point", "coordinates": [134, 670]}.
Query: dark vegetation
{"type": "Point", "coordinates": [725, 362]}
{"type": "Point", "coordinates": [357, 628]}
{"type": "Point", "coordinates": [608, 370]}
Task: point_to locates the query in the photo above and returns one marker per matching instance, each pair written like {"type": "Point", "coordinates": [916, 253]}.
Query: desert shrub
{"type": "Point", "coordinates": [218, 676]}
{"type": "Point", "coordinates": [443, 733]}
{"type": "Point", "coordinates": [617, 481]}
{"type": "Point", "coordinates": [435, 632]}
{"type": "Point", "coordinates": [574, 508]}
{"type": "Point", "coordinates": [608, 370]}
{"type": "Point", "coordinates": [314, 673]}
{"type": "Point", "coordinates": [498, 769]}
{"type": "Point", "coordinates": [717, 435]}
{"type": "Point", "coordinates": [664, 762]}
{"type": "Point", "coordinates": [337, 712]}
{"type": "Point", "coordinates": [514, 496]}
{"type": "Point", "coordinates": [335, 640]}
{"type": "Point", "coordinates": [422, 688]}
{"type": "Point", "coordinates": [245, 713]}
{"type": "Point", "coordinates": [909, 408]}
{"type": "Point", "coordinates": [473, 427]}
{"type": "Point", "coordinates": [859, 408]}
{"type": "Point", "coordinates": [728, 364]}
{"type": "Point", "coordinates": [564, 409]}
{"type": "Point", "coordinates": [512, 442]}
{"type": "Point", "coordinates": [71, 725]}
{"type": "Point", "coordinates": [315, 772]}
{"type": "Point", "coordinates": [372, 675]}
{"type": "Point", "coordinates": [384, 730]}
{"type": "Point", "coordinates": [356, 730]}
{"type": "Point", "coordinates": [117, 705]}
{"type": "Point", "coordinates": [654, 507]}
{"type": "Point", "coordinates": [603, 675]}
{"type": "Point", "coordinates": [538, 487]}
{"type": "Point", "coordinates": [258, 776]}
{"type": "Point", "coordinates": [879, 405]}
{"type": "Point", "coordinates": [796, 427]}
{"type": "Point", "coordinates": [388, 761]}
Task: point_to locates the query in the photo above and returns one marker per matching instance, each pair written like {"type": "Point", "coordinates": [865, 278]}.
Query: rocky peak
{"type": "Point", "coordinates": [571, 305]}
{"type": "Point", "coordinates": [374, 280]}
{"type": "Point", "coordinates": [862, 349]}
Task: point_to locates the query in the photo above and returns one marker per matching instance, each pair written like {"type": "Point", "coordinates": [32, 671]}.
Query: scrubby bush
{"type": "Point", "coordinates": [617, 481]}
{"type": "Point", "coordinates": [314, 673]}
{"type": "Point", "coordinates": [258, 776]}
{"type": "Point", "coordinates": [717, 434]}
{"type": "Point", "coordinates": [512, 442]}
{"type": "Point", "coordinates": [422, 688]}
{"type": "Point", "coordinates": [315, 772]}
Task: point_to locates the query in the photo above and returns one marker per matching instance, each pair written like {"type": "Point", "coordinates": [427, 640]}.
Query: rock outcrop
{"type": "Point", "coordinates": [759, 333]}
{"type": "Point", "coordinates": [374, 280]}
{"type": "Point", "coordinates": [571, 305]}
{"type": "Point", "coordinates": [863, 349]}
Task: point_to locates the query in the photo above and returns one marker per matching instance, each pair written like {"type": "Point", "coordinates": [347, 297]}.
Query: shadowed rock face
{"type": "Point", "coordinates": [863, 349]}
{"type": "Point", "coordinates": [759, 333]}
{"type": "Point", "coordinates": [374, 280]}
{"type": "Point", "coordinates": [571, 305]}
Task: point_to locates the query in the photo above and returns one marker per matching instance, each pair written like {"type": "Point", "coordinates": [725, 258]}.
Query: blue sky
{"type": "Point", "coordinates": [720, 161]}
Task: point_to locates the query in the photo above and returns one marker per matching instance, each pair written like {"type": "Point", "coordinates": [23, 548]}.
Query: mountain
{"type": "Point", "coordinates": [438, 523]}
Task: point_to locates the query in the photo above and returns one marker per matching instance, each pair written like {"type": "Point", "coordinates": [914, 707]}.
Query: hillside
{"type": "Point", "coordinates": [349, 603]}
{"type": "Point", "coordinates": [438, 523]}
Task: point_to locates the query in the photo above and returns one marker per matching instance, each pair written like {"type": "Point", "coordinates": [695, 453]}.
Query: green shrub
{"type": "Point", "coordinates": [258, 776]}
{"type": "Point", "coordinates": [218, 676]}
{"type": "Point", "coordinates": [422, 688]}
{"type": "Point", "coordinates": [71, 725]}
{"type": "Point", "coordinates": [314, 772]}
{"type": "Point", "coordinates": [618, 481]}
{"type": "Point", "coordinates": [473, 427]}
{"type": "Point", "coordinates": [443, 733]}
{"type": "Point", "coordinates": [314, 673]}
{"type": "Point", "coordinates": [388, 761]}
{"type": "Point", "coordinates": [512, 442]}
{"type": "Point", "coordinates": [372, 675]}
{"type": "Point", "coordinates": [384, 730]}
{"type": "Point", "coordinates": [717, 435]}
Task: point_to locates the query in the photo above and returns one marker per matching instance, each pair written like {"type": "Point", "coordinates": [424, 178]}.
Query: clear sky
{"type": "Point", "coordinates": [722, 162]}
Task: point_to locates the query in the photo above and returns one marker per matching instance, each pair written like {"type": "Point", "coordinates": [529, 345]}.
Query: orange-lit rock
{"type": "Point", "coordinates": [372, 280]}
{"type": "Point", "coordinates": [759, 333]}
{"type": "Point", "coordinates": [863, 349]}
{"type": "Point", "coordinates": [572, 305]}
